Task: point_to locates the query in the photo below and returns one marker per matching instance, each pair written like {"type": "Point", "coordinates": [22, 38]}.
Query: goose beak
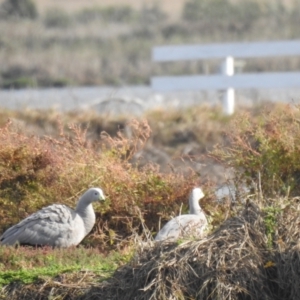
{"type": "Point", "coordinates": [101, 197]}
{"type": "Point", "coordinates": [201, 194]}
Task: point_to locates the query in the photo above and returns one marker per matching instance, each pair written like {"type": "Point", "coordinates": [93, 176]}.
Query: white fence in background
{"type": "Point", "coordinates": [227, 80]}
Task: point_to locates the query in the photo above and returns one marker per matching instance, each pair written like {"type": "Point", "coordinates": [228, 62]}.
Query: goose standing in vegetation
{"type": "Point", "coordinates": [192, 224]}
{"type": "Point", "coordinates": [56, 225]}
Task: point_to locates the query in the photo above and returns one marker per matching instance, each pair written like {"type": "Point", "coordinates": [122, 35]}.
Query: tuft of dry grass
{"type": "Point", "coordinates": [229, 264]}
{"type": "Point", "coordinates": [234, 262]}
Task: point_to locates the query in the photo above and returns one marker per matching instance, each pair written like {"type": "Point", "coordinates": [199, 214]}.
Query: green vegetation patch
{"type": "Point", "coordinates": [265, 150]}
{"type": "Point", "coordinates": [27, 265]}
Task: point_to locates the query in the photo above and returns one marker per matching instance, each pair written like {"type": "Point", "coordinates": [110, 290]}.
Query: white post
{"type": "Point", "coordinates": [229, 95]}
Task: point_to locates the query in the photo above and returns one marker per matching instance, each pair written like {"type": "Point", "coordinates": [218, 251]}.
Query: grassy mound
{"type": "Point", "coordinates": [234, 262]}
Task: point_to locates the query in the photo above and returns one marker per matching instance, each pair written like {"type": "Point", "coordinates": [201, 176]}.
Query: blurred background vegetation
{"type": "Point", "coordinates": [53, 43]}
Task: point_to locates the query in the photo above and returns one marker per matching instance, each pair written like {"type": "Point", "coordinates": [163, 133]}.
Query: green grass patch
{"type": "Point", "coordinates": [27, 265]}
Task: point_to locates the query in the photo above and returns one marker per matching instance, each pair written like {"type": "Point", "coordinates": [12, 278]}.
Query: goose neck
{"type": "Point", "coordinates": [194, 206]}
{"type": "Point", "coordinates": [86, 212]}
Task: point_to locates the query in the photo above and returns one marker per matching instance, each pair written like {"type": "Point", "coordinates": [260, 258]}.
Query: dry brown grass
{"type": "Point", "coordinates": [235, 262]}
{"type": "Point", "coordinates": [168, 6]}
{"type": "Point", "coordinates": [171, 8]}
{"type": "Point", "coordinates": [229, 264]}
{"type": "Point", "coordinates": [232, 263]}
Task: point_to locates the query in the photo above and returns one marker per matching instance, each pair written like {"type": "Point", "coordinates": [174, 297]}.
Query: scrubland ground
{"type": "Point", "coordinates": [47, 157]}
{"type": "Point", "coordinates": [148, 166]}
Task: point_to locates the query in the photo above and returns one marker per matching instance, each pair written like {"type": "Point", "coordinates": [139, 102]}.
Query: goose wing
{"type": "Point", "coordinates": [180, 226]}
{"type": "Point", "coordinates": [55, 225]}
